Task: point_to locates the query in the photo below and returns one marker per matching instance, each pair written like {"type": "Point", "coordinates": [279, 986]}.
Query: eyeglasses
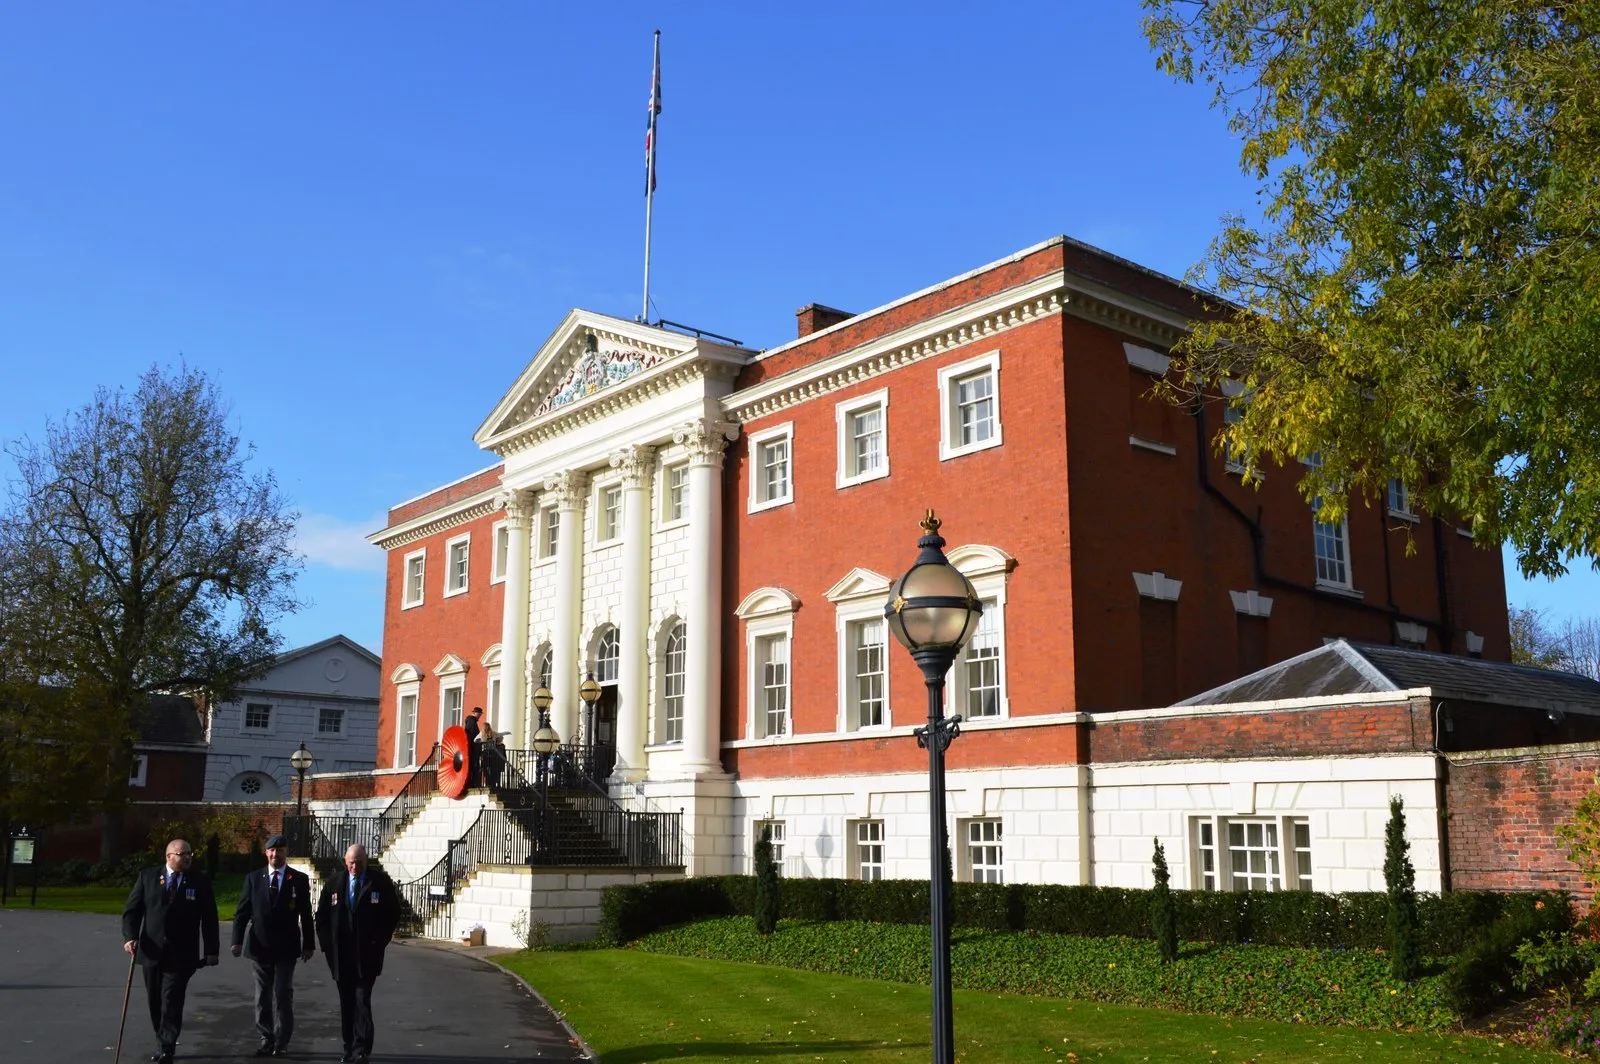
{"type": "Point", "coordinates": [180, 853]}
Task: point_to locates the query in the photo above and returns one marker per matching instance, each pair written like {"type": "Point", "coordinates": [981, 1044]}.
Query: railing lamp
{"type": "Point", "coordinates": [589, 690]}
{"type": "Point", "coordinates": [932, 611]}
{"type": "Point", "coordinates": [302, 760]}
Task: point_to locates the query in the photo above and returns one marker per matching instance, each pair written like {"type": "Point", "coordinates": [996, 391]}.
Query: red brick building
{"type": "Point", "coordinates": [710, 531]}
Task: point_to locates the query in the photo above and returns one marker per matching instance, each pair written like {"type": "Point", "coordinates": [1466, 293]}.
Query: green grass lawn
{"type": "Point", "coordinates": [634, 1007]}
{"type": "Point", "coordinates": [109, 900]}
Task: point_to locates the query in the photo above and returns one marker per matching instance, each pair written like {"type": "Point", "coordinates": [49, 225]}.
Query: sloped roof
{"type": "Point", "coordinates": [173, 720]}
{"type": "Point", "coordinates": [343, 640]}
{"type": "Point", "coordinates": [1345, 668]}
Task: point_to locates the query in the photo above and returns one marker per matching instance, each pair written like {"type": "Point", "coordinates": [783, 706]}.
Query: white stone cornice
{"type": "Point", "coordinates": [567, 489]}
{"type": "Point", "coordinates": [459, 513]}
{"type": "Point", "coordinates": [969, 323]}
{"type": "Point", "coordinates": [636, 462]}
{"type": "Point", "coordinates": [1104, 305]}
{"type": "Point", "coordinates": [706, 440]}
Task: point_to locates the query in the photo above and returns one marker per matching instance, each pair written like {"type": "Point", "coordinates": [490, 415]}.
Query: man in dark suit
{"type": "Point", "coordinates": [275, 907]}
{"type": "Point", "coordinates": [356, 918]}
{"type": "Point", "coordinates": [168, 913]}
{"type": "Point", "coordinates": [472, 726]}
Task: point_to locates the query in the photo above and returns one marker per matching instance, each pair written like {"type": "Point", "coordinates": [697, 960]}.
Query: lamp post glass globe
{"type": "Point", "coordinates": [933, 607]}
{"type": "Point", "coordinates": [542, 699]}
{"type": "Point", "coordinates": [301, 759]}
{"type": "Point", "coordinates": [589, 690]}
{"type": "Point", "coordinates": [545, 740]}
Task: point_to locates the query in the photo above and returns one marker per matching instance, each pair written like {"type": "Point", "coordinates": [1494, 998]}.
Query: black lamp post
{"type": "Point", "coordinates": [932, 611]}
{"type": "Point", "coordinates": [545, 743]}
{"type": "Point", "coordinates": [302, 760]}
{"type": "Point", "coordinates": [589, 691]}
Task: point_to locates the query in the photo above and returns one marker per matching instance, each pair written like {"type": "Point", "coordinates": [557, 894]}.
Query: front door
{"type": "Point", "coordinates": [605, 732]}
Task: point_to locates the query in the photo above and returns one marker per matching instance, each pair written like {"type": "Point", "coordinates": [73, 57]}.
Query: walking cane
{"type": "Point", "coordinates": [127, 992]}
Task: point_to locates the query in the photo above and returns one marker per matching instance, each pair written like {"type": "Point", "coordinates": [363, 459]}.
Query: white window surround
{"type": "Point", "coordinates": [664, 476]}
{"type": "Point", "coordinates": [1270, 853]}
{"type": "Point", "coordinates": [1474, 643]}
{"type": "Point", "coordinates": [859, 596]}
{"type": "Point", "coordinates": [491, 672]}
{"type": "Point", "coordinates": [760, 496]}
{"type": "Point", "coordinates": [455, 582]}
{"type": "Point", "coordinates": [452, 674]}
{"type": "Point", "coordinates": [1399, 500]}
{"type": "Point", "coordinates": [866, 844]}
{"type": "Point", "coordinates": [597, 506]}
{"type": "Point", "coordinates": [137, 773]}
{"type": "Point", "coordinates": [407, 679]}
{"type": "Point", "coordinates": [766, 612]}
{"type": "Point", "coordinates": [981, 845]}
{"type": "Point", "coordinates": [1159, 586]}
{"type": "Point", "coordinates": [949, 377]}
{"type": "Point", "coordinates": [844, 416]}
{"type": "Point", "coordinates": [1146, 360]}
{"type": "Point", "coordinates": [988, 568]}
{"type": "Point", "coordinates": [244, 719]}
{"type": "Point", "coordinates": [545, 552]}
{"type": "Point", "coordinates": [500, 536]}
{"type": "Point", "coordinates": [1140, 443]}
{"type": "Point", "coordinates": [778, 840]}
{"type": "Point", "coordinates": [672, 676]}
{"type": "Point", "coordinates": [1251, 603]}
{"type": "Point", "coordinates": [412, 588]}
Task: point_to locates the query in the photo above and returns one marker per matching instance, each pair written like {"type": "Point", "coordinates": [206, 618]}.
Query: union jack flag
{"type": "Point", "coordinates": [650, 128]}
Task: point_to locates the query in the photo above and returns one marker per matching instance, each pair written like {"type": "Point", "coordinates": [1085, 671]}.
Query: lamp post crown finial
{"type": "Point", "coordinates": [930, 523]}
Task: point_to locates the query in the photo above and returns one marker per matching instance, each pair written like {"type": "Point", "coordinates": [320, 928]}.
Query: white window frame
{"type": "Point", "coordinates": [867, 850]}
{"type": "Point", "coordinates": [1398, 498]}
{"type": "Point", "coordinates": [491, 679]}
{"type": "Point", "coordinates": [985, 871]}
{"type": "Point", "coordinates": [603, 536]}
{"type": "Point", "coordinates": [500, 536]}
{"type": "Point", "coordinates": [779, 841]}
{"type": "Point", "coordinates": [1338, 534]}
{"type": "Point", "coordinates": [1285, 851]}
{"type": "Point", "coordinates": [759, 442]}
{"type": "Point", "coordinates": [987, 568]}
{"type": "Point", "coordinates": [244, 719]}
{"type": "Point", "coordinates": [547, 536]}
{"type": "Point", "coordinates": [407, 601]}
{"type": "Point", "coordinates": [339, 731]}
{"type": "Point", "coordinates": [452, 674]}
{"type": "Point", "coordinates": [950, 379]}
{"type": "Point", "coordinates": [845, 414]}
{"type": "Point", "coordinates": [451, 545]}
{"type": "Point", "coordinates": [664, 722]}
{"type": "Point", "coordinates": [762, 655]}
{"type": "Point", "coordinates": [405, 756]}
{"type": "Point", "coordinates": [668, 518]}
{"type": "Point", "coordinates": [139, 771]}
{"type": "Point", "coordinates": [544, 665]}
{"type": "Point", "coordinates": [602, 673]}
{"type": "Point", "coordinates": [766, 612]}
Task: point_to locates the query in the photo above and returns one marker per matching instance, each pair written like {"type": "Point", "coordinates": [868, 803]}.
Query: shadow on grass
{"type": "Point", "coordinates": [730, 1050]}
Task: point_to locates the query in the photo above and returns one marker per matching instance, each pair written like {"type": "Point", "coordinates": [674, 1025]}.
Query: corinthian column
{"type": "Point", "coordinates": [508, 715]}
{"type": "Point", "coordinates": [568, 491]}
{"type": "Point", "coordinates": [636, 464]}
{"type": "Point", "coordinates": [706, 440]}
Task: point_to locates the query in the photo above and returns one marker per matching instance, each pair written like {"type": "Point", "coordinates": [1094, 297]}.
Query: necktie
{"type": "Point", "coordinates": [172, 885]}
{"type": "Point", "coordinates": [274, 886]}
{"type": "Point", "coordinates": [355, 888]}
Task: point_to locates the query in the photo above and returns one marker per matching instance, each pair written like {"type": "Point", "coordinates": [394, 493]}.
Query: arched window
{"type": "Point", "coordinates": [546, 662]}
{"type": "Point", "coordinates": [674, 666]}
{"type": "Point", "coordinates": [606, 653]}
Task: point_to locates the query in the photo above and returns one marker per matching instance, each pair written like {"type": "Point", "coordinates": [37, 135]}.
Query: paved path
{"type": "Point", "coordinates": [62, 977]}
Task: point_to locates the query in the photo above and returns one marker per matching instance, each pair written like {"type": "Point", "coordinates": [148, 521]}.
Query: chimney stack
{"type": "Point", "coordinates": [814, 317]}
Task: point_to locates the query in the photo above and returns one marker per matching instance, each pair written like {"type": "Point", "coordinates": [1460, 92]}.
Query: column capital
{"type": "Point", "coordinates": [567, 488]}
{"type": "Point", "coordinates": [706, 439]}
{"type": "Point", "coordinates": [636, 462]}
{"type": "Point", "coordinates": [518, 507]}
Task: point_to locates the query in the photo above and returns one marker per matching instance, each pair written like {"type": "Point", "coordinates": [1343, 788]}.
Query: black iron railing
{"type": "Point", "coordinates": [409, 801]}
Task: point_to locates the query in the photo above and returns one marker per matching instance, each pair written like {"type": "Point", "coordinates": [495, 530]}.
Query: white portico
{"type": "Point", "coordinates": [612, 491]}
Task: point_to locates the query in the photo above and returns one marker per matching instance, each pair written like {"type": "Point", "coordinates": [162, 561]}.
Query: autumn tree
{"type": "Point", "coordinates": [139, 554]}
{"type": "Point", "coordinates": [1419, 298]}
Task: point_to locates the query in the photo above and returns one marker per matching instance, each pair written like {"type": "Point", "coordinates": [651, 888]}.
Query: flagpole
{"type": "Point", "coordinates": [650, 173]}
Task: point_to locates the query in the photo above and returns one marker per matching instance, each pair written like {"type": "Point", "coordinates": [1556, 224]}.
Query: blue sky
{"type": "Point", "coordinates": [363, 219]}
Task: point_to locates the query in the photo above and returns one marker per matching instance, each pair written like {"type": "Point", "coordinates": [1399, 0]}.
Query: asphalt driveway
{"type": "Point", "coordinates": [62, 977]}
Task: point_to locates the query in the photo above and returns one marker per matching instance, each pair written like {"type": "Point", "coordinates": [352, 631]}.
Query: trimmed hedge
{"type": "Point", "coordinates": [1450, 922]}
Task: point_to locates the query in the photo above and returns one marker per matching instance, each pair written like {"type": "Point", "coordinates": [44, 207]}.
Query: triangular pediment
{"type": "Point", "coordinates": [858, 583]}
{"type": "Point", "coordinates": [588, 354]}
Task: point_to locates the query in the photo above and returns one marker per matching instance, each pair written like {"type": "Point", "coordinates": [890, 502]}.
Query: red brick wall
{"type": "Point", "coordinates": [466, 625]}
{"type": "Point", "coordinates": [172, 775]}
{"type": "Point", "coordinates": [1134, 510]}
{"type": "Point", "coordinates": [446, 495]}
{"type": "Point", "coordinates": [808, 546]}
{"type": "Point", "coordinates": [1357, 729]}
{"type": "Point", "coordinates": [1504, 808]}
{"type": "Point", "coordinates": [1052, 744]}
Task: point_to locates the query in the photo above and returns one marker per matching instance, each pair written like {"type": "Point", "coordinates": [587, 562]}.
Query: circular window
{"type": "Point", "coordinates": [250, 786]}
